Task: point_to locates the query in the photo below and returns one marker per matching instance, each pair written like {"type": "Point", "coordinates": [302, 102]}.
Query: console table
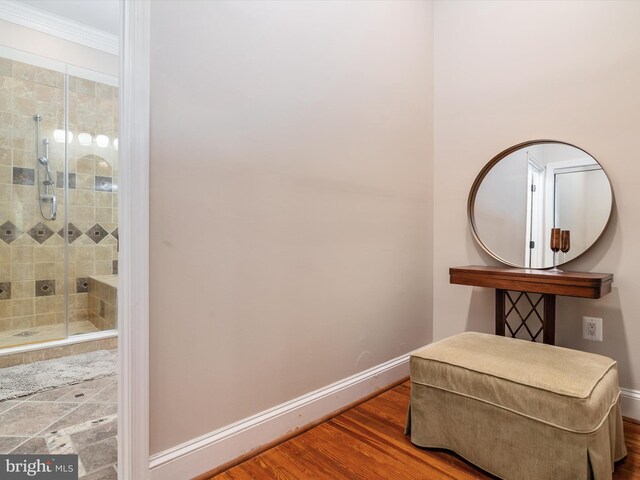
{"type": "Point", "coordinates": [514, 289]}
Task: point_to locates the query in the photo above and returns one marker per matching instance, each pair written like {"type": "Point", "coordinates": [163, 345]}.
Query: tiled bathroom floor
{"type": "Point", "coordinates": [43, 333]}
{"type": "Point", "coordinates": [79, 418]}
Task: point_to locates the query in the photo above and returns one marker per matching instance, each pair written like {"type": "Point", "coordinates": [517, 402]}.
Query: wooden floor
{"type": "Point", "coordinates": [367, 443]}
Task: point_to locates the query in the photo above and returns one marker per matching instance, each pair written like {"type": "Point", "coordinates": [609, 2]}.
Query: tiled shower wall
{"type": "Point", "coordinates": [32, 254]}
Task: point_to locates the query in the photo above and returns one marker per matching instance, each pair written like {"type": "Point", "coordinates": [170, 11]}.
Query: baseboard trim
{"type": "Point", "coordinates": [239, 439]}
{"type": "Point", "coordinates": [630, 403]}
{"type": "Point", "coordinates": [246, 437]}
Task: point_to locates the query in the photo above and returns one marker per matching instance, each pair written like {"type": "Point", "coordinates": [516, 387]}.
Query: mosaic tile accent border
{"type": "Point", "coordinates": [23, 176]}
{"type": "Point", "coordinates": [97, 233]}
{"type": "Point", "coordinates": [73, 232]}
{"type": "Point", "coordinates": [9, 232]}
{"type": "Point", "coordinates": [60, 180]}
{"type": "Point", "coordinates": [5, 290]}
{"type": "Point", "coordinates": [40, 232]}
{"type": "Point", "coordinates": [104, 184]}
{"type": "Point", "coordinates": [44, 288]}
{"type": "Point", "coordinates": [82, 285]}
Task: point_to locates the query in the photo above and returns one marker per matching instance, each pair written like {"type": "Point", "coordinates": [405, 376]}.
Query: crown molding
{"type": "Point", "coordinates": [57, 26]}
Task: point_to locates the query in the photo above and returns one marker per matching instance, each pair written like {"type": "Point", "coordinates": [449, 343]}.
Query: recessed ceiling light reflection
{"type": "Point", "coordinates": [85, 139]}
{"type": "Point", "coordinates": [58, 136]}
{"type": "Point", "coordinates": [102, 141]}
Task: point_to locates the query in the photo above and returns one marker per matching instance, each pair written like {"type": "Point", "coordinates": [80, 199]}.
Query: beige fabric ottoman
{"type": "Point", "coordinates": [519, 410]}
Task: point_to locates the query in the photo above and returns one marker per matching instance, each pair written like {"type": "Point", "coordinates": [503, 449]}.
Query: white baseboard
{"type": "Point", "coordinates": [216, 448]}
{"type": "Point", "coordinates": [630, 403]}
{"type": "Point", "coordinates": [205, 453]}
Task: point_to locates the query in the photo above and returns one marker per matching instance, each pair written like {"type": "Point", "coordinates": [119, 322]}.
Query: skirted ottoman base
{"type": "Point", "coordinates": [519, 410]}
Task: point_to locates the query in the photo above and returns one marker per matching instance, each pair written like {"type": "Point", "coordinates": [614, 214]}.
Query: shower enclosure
{"type": "Point", "coordinates": [58, 203]}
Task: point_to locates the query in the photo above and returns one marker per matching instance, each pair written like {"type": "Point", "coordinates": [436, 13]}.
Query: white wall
{"type": "Point", "coordinates": [500, 208]}
{"type": "Point", "coordinates": [506, 72]}
{"type": "Point", "coordinates": [584, 205]}
{"type": "Point", "coordinates": [291, 201]}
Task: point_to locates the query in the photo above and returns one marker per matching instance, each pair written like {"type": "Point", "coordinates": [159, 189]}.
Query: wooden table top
{"type": "Point", "coordinates": [573, 284]}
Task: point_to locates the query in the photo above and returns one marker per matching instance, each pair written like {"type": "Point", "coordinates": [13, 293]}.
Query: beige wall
{"type": "Point", "coordinates": [291, 209]}
{"type": "Point", "coordinates": [506, 72]}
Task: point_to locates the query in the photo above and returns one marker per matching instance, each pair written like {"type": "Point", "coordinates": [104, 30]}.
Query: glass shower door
{"type": "Point", "coordinates": [32, 290]}
{"type": "Point", "coordinates": [92, 206]}
{"type": "Point", "coordinates": [58, 203]}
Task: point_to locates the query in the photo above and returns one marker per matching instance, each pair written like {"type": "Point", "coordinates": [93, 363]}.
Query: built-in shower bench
{"type": "Point", "coordinates": [103, 301]}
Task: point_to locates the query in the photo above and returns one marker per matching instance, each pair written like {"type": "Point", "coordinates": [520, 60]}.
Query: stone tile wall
{"type": "Point", "coordinates": [32, 253]}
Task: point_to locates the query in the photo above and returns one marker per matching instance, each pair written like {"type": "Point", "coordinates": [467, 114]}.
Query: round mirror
{"type": "Point", "coordinates": [532, 188]}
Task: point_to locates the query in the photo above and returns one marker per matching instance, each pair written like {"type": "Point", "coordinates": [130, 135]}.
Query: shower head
{"type": "Point", "coordinates": [43, 161]}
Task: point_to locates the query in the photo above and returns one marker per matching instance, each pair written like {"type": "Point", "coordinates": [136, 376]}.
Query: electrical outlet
{"type": "Point", "coordinates": [592, 328]}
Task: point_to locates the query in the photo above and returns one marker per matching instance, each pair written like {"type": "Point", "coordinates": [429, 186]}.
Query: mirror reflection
{"type": "Point", "coordinates": [527, 190]}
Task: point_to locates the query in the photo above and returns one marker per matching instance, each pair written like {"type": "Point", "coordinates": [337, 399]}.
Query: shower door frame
{"type": "Point", "coordinates": [133, 265]}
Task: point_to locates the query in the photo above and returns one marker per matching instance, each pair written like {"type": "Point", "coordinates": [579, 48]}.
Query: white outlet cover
{"type": "Point", "coordinates": [592, 328]}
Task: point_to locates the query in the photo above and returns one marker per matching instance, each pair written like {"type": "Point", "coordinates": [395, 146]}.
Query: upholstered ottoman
{"type": "Point", "coordinates": [519, 410]}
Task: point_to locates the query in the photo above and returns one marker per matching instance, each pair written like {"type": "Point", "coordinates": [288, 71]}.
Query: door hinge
{"type": "Point", "coordinates": [533, 188]}
{"type": "Point", "coordinates": [532, 244]}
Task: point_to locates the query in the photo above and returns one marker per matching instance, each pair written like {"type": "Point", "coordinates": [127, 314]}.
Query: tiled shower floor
{"type": "Point", "coordinates": [79, 418]}
{"type": "Point", "coordinates": [43, 333]}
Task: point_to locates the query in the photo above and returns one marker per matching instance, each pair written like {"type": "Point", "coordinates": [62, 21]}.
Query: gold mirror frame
{"type": "Point", "coordinates": [487, 168]}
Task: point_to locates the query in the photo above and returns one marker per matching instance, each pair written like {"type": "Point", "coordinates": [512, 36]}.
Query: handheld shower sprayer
{"type": "Point", "coordinates": [49, 194]}
{"type": "Point", "coordinates": [44, 161]}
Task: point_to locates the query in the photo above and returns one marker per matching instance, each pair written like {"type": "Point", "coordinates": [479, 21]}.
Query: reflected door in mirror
{"type": "Point", "coordinates": [528, 190]}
